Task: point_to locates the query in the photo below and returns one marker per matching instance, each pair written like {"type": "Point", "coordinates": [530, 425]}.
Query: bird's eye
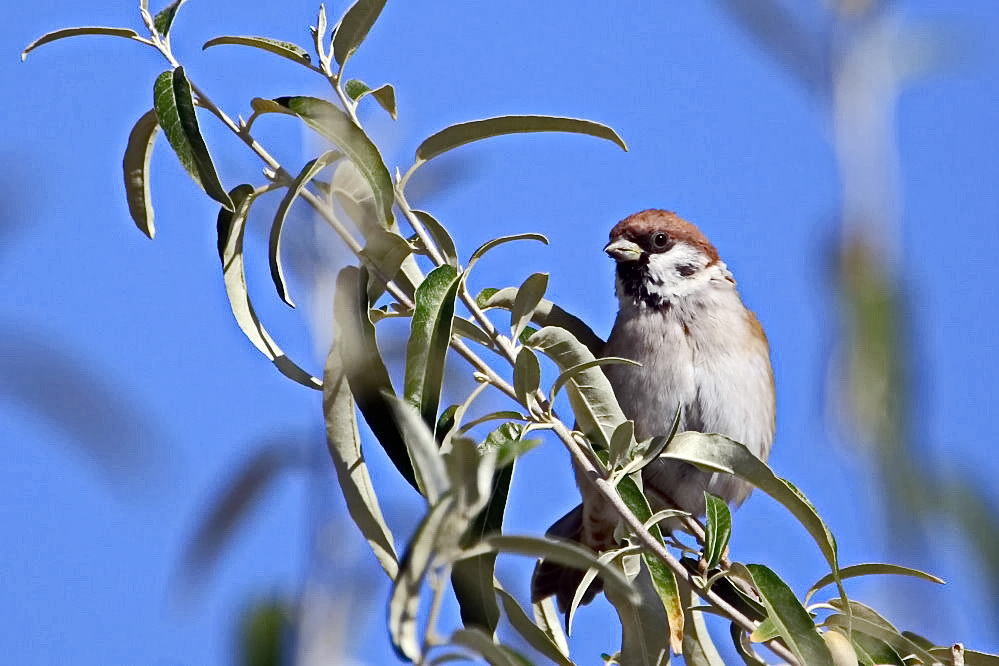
{"type": "Point", "coordinates": [660, 241]}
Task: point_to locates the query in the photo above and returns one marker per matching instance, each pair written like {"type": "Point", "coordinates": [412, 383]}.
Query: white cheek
{"type": "Point", "coordinates": [665, 279]}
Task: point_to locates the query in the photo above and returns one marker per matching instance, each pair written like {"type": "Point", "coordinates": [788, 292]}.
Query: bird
{"type": "Point", "coordinates": [699, 348]}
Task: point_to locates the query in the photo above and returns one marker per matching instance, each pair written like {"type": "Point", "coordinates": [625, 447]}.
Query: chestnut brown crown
{"type": "Point", "coordinates": [641, 228]}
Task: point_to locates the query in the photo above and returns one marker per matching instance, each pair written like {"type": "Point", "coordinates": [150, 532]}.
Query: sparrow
{"type": "Point", "coordinates": [681, 318]}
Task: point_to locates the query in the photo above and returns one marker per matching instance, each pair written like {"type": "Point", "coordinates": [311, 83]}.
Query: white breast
{"type": "Point", "coordinates": [701, 352]}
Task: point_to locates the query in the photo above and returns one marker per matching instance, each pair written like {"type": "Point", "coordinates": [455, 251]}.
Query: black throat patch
{"type": "Point", "coordinates": [634, 277]}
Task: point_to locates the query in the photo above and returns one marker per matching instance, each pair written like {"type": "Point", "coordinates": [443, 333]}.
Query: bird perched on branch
{"type": "Point", "coordinates": [681, 317]}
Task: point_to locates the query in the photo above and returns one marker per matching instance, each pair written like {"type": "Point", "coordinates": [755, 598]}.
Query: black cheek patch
{"type": "Point", "coordinates": [686, 270]}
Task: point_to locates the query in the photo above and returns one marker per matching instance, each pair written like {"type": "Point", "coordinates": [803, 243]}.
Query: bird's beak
{"type": "Point", "coordinates": [623, 250]}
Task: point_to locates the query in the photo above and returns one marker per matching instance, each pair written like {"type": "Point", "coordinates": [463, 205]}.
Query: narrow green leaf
{"type": "Point", "coordinates": [174, 104]}
{"type": "Point", "coordinates": [742, 645]}
{"type": "Point", "coordinates": [766, 630]}
{"type": "Point", "coordinates": [665, 585]}
{"type": "Point", "coordinates": [369, 380]}
{"type": "Point", "coordinates": [489, 292]}
{"type": "Point", "coordinates": [795, 624]}
{"type": "Point", "coordinates": [868, 569]}
{"type": "Point", "coordinates": [475, 130]}
{"type": "Point", "coordinates": [561, 552]}
{"type": "Point", "coordinates": [384, 94]}
{"type": "Point", "coordinates": [526, 376]}
{"type": "Point", "coordinates": [319, 35]}
{"type": "Point", "coordinates": [529, 631]}
{"type": "Point", "coordinates": [664, 514]}
{"type": "Point", "coordinates": [470, 473]}
{"type": "Point", "coordinates": [650, 449]}
{"type": "Point", "coordinates": [526, 334]}
{"type": "Point", "coordinates": [620, 444]}
{"type": "Point", "coordinates": [473, 578]}
{"type": "Point", "coordinates": [354, 88]}
{"type": "Point", "coordinates": [505, 415]}
{"type": "Point", "coordinates": [351, 469]}
{"type": "Point", "coordinates": [431, 474]}
{"type": "Point", "coordinates": [440, 236]}
{"type": "Point", "coordinates": [447, 422]}
{"type": "Point", "coordinates": [231, 228]}
{"type": "Point", "coordinates": [889, 634]}
{"type": "Point", "coordinates": [163, 21]}
{"type": "Point", "coordinates": [698, 648]}
{"type": "Point", "coordinates": [351, 190]}
{"type": "Point", "coordinates": [590, 393]}
{"type": "Point", "coordinates": [135, 166]}
{"type": "Point", "coordinates": [739, 594]}
{"type": "Point", "coordinates": [308, 172]}
{"type": "Point", "coordinates": [719, 453]}
{"type": "Point", "coordinates": [261, 105]}
{"type": "Point", "coordinates": [404, 604]}
{"type": "Point", "coordinates": [869, 651]}
{"type": "Point", "coordinates": [662, 577]}
{"type": "Point", "coordinates": [718, 529]}
{"type": "Point", "coordinates": [528, 297]}
{"type": "Point", "coordinates": [467, 329]}
{"type": "Point", "coordinates": [496, 242]}
{"type": "Point", "coordinates": [354, 27]}
{"type": "Point", "coordinates": [387, 251]}
{"type": "Point", "coordinates": [508, 444]}
{"type": "Point", "coordinates": [869, 621]}
{"type": "Point", "coordinates": [576, 369]}
{"type": "Point", "coordinates": [546, 617]}
{"type": "Point", "coordinates": [429, 338]}
{"type": "Point", "coordinates": [73, 32]}
{"type": "Point", "coordinates": [546, 313]}
{"type": "Point", "coordinates": [921, 641]}
{"type": "Point", "coordinates": [840, 648]}
{"type": "Point", "coordinates": [482, 643]}
{"type": "Point", "coordinates": [336, 126]}
{"type": "Point", "coordinates": [643, 641]}
{"type": "Point", "coordinates": [292, 52]}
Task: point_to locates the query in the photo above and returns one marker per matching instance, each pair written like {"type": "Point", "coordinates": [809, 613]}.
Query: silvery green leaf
{"type": "Point", "coordinates": [287, 50]}
{"type": "Point", "coordinates": [135, 165]}
{"type": "Point", "coordinates": [529, 631]}
{"type": "Point", "coordinates": [793, 621]}
{"type": "Point", "coordinates": [590, 393]}
{"type": "Point", "coordinates": [353, 28]}
{"type": "Point", "coordinates": [369, 380]}
{"type": "Point", "coordinates": [73, 32]}
{"type": "Point", "coordinates": [231, 227]}
{"type": "Point", "coordinates": [528, 297]}
{"type": "Point", "coordinates": [476, 130]}
{"type": "Point", "coordinates": [308, 172]}
{"type": "Point", "coordinates": [173, 101]}
{"type": "Point", "coordinates": [526, 376]}
{"type": "Point", "coordinates": [431, 475]}
{"type": "Point", "coordinates": [348, 461]}
{"type": "Point", "coordinates": [546, 313]}
{"type": "Point", "coordinates": [429, 339]}
{"type": "Point", "coordinates": [718, 529]}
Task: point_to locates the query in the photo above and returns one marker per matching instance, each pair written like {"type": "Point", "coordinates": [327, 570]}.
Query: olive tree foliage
{"type": "Point", "coordinates": [409, 267]}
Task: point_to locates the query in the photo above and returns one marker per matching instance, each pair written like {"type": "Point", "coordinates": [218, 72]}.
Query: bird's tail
{"type": "Point", "coordinates": [551, 578]}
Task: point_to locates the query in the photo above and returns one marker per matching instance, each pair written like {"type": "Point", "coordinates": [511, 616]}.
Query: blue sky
{"type": "Point", "coordinates": [129, 395]}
